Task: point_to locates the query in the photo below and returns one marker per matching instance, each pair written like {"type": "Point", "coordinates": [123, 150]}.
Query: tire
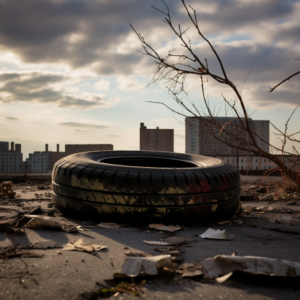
{"type": "Point", "coordinates": [145, 186]}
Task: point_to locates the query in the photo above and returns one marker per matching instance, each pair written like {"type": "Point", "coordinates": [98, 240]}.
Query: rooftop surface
{"type": "Point", "coordinates": [62, 274]}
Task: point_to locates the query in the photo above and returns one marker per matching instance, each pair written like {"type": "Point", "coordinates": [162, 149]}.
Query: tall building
{"type": "Point", "coordinates": [10, 160]}
{"type": "Point", "coordinates": [156, 139]}
{"type": "Point", "coordinates": [70, 149]}
{"type": "Point", "coordinates": [43, 161]}
{"type": "Point", "coordinates": [200, 141]}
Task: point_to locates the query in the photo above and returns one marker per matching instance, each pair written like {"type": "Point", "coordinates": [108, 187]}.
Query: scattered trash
{"type": "Point", "coordinates": [224, 222]}
{"type": "Point", "coordinates": [80, 246]}
{"type": "Point", "coordinates": [267, 196]}
{"type": "Point", "coordinates": [177, 240]}
{"type": "Point", "coordinates": [42, 222]}
{"type": "Point", "coordinates": [134, 266]}
{"type": "Point", "coordinates": [191, 270]}
{"type": "Point", "coordinates": [71, 228]}
{"type": "Point", "coordinates": [281, 220]}
{"type": "Point", "coordinates": [160, 243]}
{"type": "Point", "coordinates": [224, 265]}
{"type": "Point", "coordinates": [44, 244]}
{"type": "Point", "coordinates": [162, 227]}
{"type": "Point", "coordinates": [217, 235]}
{"type": "Point", "coordinates": [108, 292]}
{"type": "Point", "coordinates": [136, 254]}
{"type": "Point", "coordinates": [169, 250]}
{"type": "Point", "coordinates": [108, 225]}
{"type": "Point", "coordinates": [170, 241]}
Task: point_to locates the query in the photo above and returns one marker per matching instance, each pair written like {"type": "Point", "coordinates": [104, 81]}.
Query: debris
{"type": "Point", "coordinates": [134, 266]}
{"type": "Point", "coordinates": [281, 220]}
{"type": "Point", "coordinates": [170, 251]}
{"type": "Point", "coordinates": [107, 292]}
{"type": "Point", "coordinates": [136, 254]}
{"type": "Point", "coordinates": [44, 244]}
{"type": "Point", "coordinates": [162, 227]}
{"type": "Point", "coordinates": [177, 240]}
{"type": "Point", "coordinates": [160, 243]}
{"type": "Point", "coordinates": [42, 222]}
{"type": "Point", "coordinates": [217, 235]}
{"type": "Point", "coordinates": [224, 264]}
{"type": "Point", "coordinates": [224, 222]}
{"type": "Point", "coordinates": [170, 241]}
{"type": "Point", "coordinates": [79, 246]}
{"type": "Point", "coordinates": [108, 225]}
{"type": "Point", "coordinates": [267, 196]}
{"type": "Point", "coordinates": [71, 228]}
{"type": "Point", "coordinates": [191, 270]}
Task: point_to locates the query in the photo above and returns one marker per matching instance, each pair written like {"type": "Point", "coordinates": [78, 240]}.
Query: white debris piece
{"type": "Point", "coordinates": [134, 266]}
{"type": "Point", "coordinates": [217, 235]}
{"type": "Point", "coordinates": [224, 264]}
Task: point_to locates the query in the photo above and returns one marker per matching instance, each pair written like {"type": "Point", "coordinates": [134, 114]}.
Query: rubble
{"type": "Point", "coordinates": [134, 266]}
{"type": "Point", "coordinates": [223, 264]}
{"type": "Point", "coordinates": [108, 225]}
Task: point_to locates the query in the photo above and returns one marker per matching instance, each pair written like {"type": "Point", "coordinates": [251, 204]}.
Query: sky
{"type": "Point", "coordinates": [71, 71]}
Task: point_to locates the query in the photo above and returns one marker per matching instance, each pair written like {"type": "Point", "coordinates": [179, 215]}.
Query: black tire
{"type": "Point", "coordinates": [145, 186]}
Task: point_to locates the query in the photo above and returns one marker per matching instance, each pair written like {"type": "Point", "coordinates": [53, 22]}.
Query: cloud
{"type": "Point", "coordinates": [102, 85]}
{"type": "Point", "coordinates": [129, 83]}
{"type": "Point", "coordinates": [12, 118]}
{"type": "Point", "coordinates": [80, 126]}
{"type": "Point", "coordinates": [48, 88]}
{"type": "Point", "coordinates": [111, 135]}
{"type": "Point", "coordinates": [95, 36]}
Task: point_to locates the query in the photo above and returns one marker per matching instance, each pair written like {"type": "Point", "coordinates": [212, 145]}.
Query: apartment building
{"type": "Point", "coordinates": [200, 141]}
{"type": "Point", "coordinates": [43, 161]}
{"type": "Point", "coordinates": [70, 149]}
{"type": "Point", "coordinates": [10, 160]}
{"type": "Point", "coordinates": [156, 139]}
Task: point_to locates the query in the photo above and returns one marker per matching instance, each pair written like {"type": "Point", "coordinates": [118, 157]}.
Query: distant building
{"type": "Point", "coordinates": [200, 141]}
{"type": "Point", "coordinates": [42, 162]}
{"type": "Point", "coordinates": [156, 139]}
{"type": "Point", "coordinates": [255, 163]}
{"type": "Point", "coordinates": [10, 160]}
{"type": "Point", "coordinates": [70, 149]}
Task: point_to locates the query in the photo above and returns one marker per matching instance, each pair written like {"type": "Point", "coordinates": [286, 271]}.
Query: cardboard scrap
{"type": "Point", "coordinates": [80, 246]}
{"type": "Point", "coordinates": [191, 270]}
{"type": "Point", "coordinates": [44, 244]}
{"type": "Point", "coordinates": [162, 227]}
{"type": "Point", "coordinates": [42, 222]}
{"type": "Point", "coordinates": [222, 265]}
{"type": "Point", "coordinates": [134, 266]}
{"type": "Point", "coordinates": [217, 235]}
{"type": "Point", "coordinates": [108, 225]}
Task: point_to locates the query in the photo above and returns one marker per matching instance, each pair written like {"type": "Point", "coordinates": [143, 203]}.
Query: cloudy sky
{"type": "Point", "coordinates": [70, 71]}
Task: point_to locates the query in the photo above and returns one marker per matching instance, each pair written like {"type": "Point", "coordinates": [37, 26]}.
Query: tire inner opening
{"type": "Point", "coordinates": [149, 162]}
